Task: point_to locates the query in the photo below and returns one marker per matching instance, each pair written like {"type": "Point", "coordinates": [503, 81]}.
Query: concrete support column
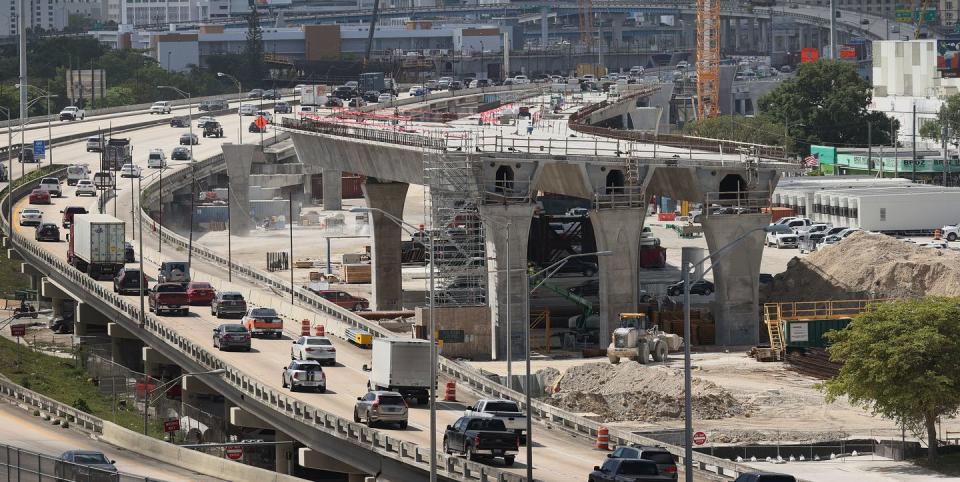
{"type": "Point", "coordinates": [385, 252]}
{"type": "Point", "coordinates": [85, 316]}
{"type": "Point", "coordinates": [756, 45]}
{"type": "Point", "coordinates": [736, 34]}
{"type": "Point", "coordinates": [544, 26]}
{"type": "Point", "coordinates": [617, 230]}
{"type": "Point", "coordinates": [283, 454]}
{"type": "Point", "coordinates": [802, 36]}
{"type": "Point", "coordinates": [725, 34]}
{"type": "Point", "coordinates": [312, 459]}
{"type": "Point", "coordinates": [616, 29]}
{"type": "Point", "coordinates": [239, 158]}
{"type": "Point", "coordinates": [332, 190]}
{"type": "Point", "coordinates": [307, 190]}
{"type": "Point", "coordinates": [736, 275]}
{"type": "Point", "coordinates": [500, 239]}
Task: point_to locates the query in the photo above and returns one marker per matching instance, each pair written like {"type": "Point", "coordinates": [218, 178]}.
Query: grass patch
{"type": "Point", "coordinates": [11, 279]}
{"type": "Point", "coordinates": [64, 381]}
{"type": "Point", "coordinates": [947, 464]}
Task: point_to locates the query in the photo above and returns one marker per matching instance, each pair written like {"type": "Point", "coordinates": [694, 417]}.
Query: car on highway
{"type": "Point", "coordinates": [309, 109]}
{"type": "Point", "coordinates": [331, 102]}
{"type": "Point", "coordinates": [255, 128]}
{"type": "Point", "coordinates": [72, 113]}
{"type": "Point", "coordinates": [357, 102]}
{"type": "Point", "coordinates": [318, 348]}
{"type": "Point", "coordinates": [385, 98]}
{"type": "Point", "coordinates": [282, 108]}
{"type": "Point", "coordinates": [344, 92]}
{"type": "Point", "coordinates": [203, 121]}
{"type": "Point", "coordinates": [263, 321]}
{"type": "Point", "coordinates": [417, 91]}
{"type": "Point", "coordinates": [212, 129]}
{"type": "Point", "coordinates": [230, 336]}
{"type": "Point", "coordinates": [156, 159]}
{"type": "Point", "coordinates": [51, 185]}
{"type": "Point", "coordinates": [182, 121]}
{"type": "Point", "coordinates": [39, 196]}
{"type": "Point", "coordinates": [129, 255]}
{"type": "Point", "coordinates": [228, 303]}
{"type": "Point", "coordinates": [31, 217]}
{"type": "Point", "coordinates": [304, 374]}
{"type": "Point", "coordinates": [267, 116]}
{"type": "Point", "coordinates": [85, 187]}
{"type": "Point", "coordinates": [765, 477]}
{"type": "Point", "coordinates": [247, 109]}
{"type": "Point", "coordinates": [700, 287]}
{"type": "Point", "coordinates": [180, 153]}
{"type": "Point", "coordinates": [169, 297]}
{"type": "Point", "coordinates": [174, 272]}
{"type": "Point", "coordinates": [47, 232]}
{"type": "Point", "coordinates": [128, 281]}
{"type": "Point", "coordinates": [666, 463]}
{"type": "Point", "coordinates": [188, 138]}
{"type": "Point", "coordinates": [200, 292]}
{"type": "Point", "coordinates": [271, 94]}
{"type": "Point", "coordinates": [129, 170]}
{"type": "Point", "coordinates": [69, 212]}
{"type": "Point", "coordinates": [478, 438]}
{"type": "Point", "coordinates": [95, 144]}
{"type": "Point", "coordinates": [371, 95]}
{"type": "Point", "coordinates": [344, 299]}
{"type": "Point", "coordinates": [85, 465]}
{"type": "Point", "coordinates": [627, 470]}
{"type": "Point", "coordinates": [161, 107]}
{"type": "Point", "coordinates": [381, 407]}
{"type": "Point", "coordinates": [27, 156]}
{"type": "Point", "coordinates": [255, 94]}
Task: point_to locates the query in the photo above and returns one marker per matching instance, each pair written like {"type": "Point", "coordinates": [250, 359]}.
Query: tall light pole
{"type": "Point", "coordinates": [22, 14]}
{"type": "Point", "coordinates": [193, 174]}
{"type": "Point", "coordinates": [229, 233]}
{"type": "Point", "coordinates": [6, 112]}
{"type": "Point", "coordinates": [45, 94]}
{"type": "Point", "coordinates": [833, 30]}
{"type": "Point", "coordinates": [146, 393]}
{"type": "Point", "coordinates": [140, 228]}
{"type": "Point", "coordinates": [431, 327]}
{"type": "Point", "coordinates": [686, 265]}
{"type": "Point", "coordinates": [239, 98]}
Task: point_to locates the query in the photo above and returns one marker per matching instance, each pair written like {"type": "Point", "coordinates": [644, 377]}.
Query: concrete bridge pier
{"type": "Point", "coordinates": [385, 252]}
{"type": "Point", "coordinates": [507, 228]}
{"type": "Point", "coordinates": [88, 320]}
{"type": "Point", "coordinates": [312, 459]}
{"type": "Point", "coordinates": [124, 346]}
{"type": "Point", "coordinates": [737, 276]}
{"type": "Point", "coordinates": [332, 190]}
{"type": "Point", "coordinates": [618, 231]}
{"type": "Point", "coordinates": [239, 158]}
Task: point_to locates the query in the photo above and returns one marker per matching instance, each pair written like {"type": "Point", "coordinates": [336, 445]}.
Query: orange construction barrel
{"type": "Point", "coordinates": [603, 438]}
{"type": "Point", "coordinates": [450, 395]}
{"type": "Point", "coordinates": [320, 331]}
{"type": "Point", "coordinates": [304, 327]}
{"type": "Point", "coordinates": [936, 234]}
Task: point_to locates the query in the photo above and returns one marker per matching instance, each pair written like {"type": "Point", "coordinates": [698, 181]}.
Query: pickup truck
{"type": "Point", "coordinates": [951, 232]}
{"type": "Point", "coordinates": [263, 321]}
{"type": "Point", "coordinates": [51, 185]}
{"type": "Point", "coordinates": [478, 437]}
{"type": "Point", "coordinates": [504, 410]}
{"type": "Point", "coordinates": [72, 112]}
{"type": "Point", "coordinates": [169, 297]}
{"type": "Point", "coordinates": [628, 470]}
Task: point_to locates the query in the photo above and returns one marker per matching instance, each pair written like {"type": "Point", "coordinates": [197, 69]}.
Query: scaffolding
{"type": "Point", "coordinates": [458, 254]}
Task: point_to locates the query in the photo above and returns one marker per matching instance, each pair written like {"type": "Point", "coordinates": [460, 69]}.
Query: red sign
{"type": "Point", "coordinates": [234, 452]}
{"type": "Point", "coordinates": [260, 122]}
{"type": "Point", "coordinates": [809, 54]}
{"type": "Point", "coordinates": [171, 425]}
{"type": "Point", "coordinates": [699, 438]}
{"type": "Point", "coordinates": [18, 330]}
{"type": "Point", "coordinates": [848, 53]}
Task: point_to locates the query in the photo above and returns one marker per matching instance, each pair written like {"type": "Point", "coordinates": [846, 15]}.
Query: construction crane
{"type": "Point", "coordinates": [585, 7]}
{"type": "Point", "coordinates": [920, 18]}
{"type": "Point", "coordinates": [373, 28]}
{"type": "Point", "coordinates": [708, 58]}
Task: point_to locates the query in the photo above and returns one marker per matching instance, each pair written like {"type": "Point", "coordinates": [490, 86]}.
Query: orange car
{"type": "Point", "coordinates": [263, 321]}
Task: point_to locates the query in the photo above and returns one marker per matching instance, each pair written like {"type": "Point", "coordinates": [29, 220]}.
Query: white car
{"type": "Point", "coordinates": [129, 170]}
{"type": "Point", "coordinates": [85, 187]}
{"type": "Point", "coordinates": [72, 112]}
{"type": "Point", "coordinates": [385, 98]}
{"type": "Point", "coordinates": [951, 232]}
{"type": "Point", "coordinates": [203, 121]}
{"type": "Point", "coordinates": [304, 374]}
{"type": "Point", "coordinates": [266, 116]}
{"type": "Point", "coordinates": [318, 348]}
{"type": "Point", "coordinates": [157, 159]}
{"type": "Point", "coordinates": [51, 185]}
{"type": "Point", "coordinates": [162, 107]}
{"type": "Point", "coordinates": [31, 217]}
{"type": "Point", "coordinates": [521, 80]}
{"type": "Point", "coordinates": [248, 109]}
{"type": "Point", "coordinates": [782, 240]}
{"type": "Point", "coordinates": [683, 64]}
{"type": "Point", "coordinates": [417, 90]}
{"type": "Point", "coordinates": [95, 143]}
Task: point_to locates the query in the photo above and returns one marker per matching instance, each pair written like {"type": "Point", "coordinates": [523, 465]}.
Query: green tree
{"type": "Point", "coordinates": [827, 102]}
{"type": "Point", "coordinates": [948, 115]}
{"type": "Point", "coordinates": [900, 361]}
{"type": "Point", "coordinates": [253, 50]}
{"type": "Point", "coordinates": [759, 130]}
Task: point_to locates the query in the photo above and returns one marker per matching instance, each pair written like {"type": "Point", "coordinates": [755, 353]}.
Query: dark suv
{"type": "Point", "coordinates": [128, 281]}
{"type": "Point", "coordinates": [765, 477]}
{"type": "Point", "coordinates": [47, 232]}
{"type": "Point", "coordinates": [227, 303]}
{"type": "Point", "coordinates": [212, 129]}
{"type": "Point", "coordinates": [666, 464]}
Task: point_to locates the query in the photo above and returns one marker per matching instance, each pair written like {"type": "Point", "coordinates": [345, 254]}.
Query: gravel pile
{"type": "Point", "coordinates": [866, 265]}
{"type": "Point", "coordinates": [633, 392]}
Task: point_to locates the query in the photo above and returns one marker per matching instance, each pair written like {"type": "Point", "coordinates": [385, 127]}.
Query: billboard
{"type": "Point", "coordinates": [948, 58]}
{"type": "Point", "coordinates": [809, 54]}
{"type": "Point", "coordinates": [848, 52]}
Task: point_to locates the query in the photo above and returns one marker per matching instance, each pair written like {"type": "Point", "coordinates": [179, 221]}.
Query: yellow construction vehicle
{"type": "Point", "coordinates": [633, 340]}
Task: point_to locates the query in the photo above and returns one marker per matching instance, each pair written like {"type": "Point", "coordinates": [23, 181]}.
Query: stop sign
{"type": "Point", "coordinates": [699, 438]}
{"type": "Point", "coordinates": [234, 452]}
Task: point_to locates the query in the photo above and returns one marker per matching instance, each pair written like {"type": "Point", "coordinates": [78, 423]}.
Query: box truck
{"type": "Point", "coordinates": [401, 365]}
{"type": "Point", "coordinates": [95, 245]}
{"type": "Point", "coordinates": [315, 95]}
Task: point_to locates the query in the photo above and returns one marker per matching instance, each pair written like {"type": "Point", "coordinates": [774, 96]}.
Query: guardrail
{"type": "Point", "coordinates": [344, 319]}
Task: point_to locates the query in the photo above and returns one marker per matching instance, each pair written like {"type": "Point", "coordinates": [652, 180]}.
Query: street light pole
{"type": "Point", "coordinates": [193, 174]}
{"type": "Point", "coordinates": [229, 233]}
{"type": "Point", "coordinates": [239, 98]}
{"type": "Point", "coordinates": [6, 111]}
{"type": "Point", "coordinates": [140, 228]}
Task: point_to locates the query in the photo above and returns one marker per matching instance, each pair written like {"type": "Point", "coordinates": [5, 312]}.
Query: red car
{"type": "Point", "coordinates": [344, 299]}
{"type": "Point", "coordinates": [40, 196]}
{"type": "Point", "coordinates": [200, 292]}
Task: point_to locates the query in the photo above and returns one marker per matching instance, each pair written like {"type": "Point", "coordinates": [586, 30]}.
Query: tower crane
{"type": "Point", "coordinates": [585, 9]}
{"type": "Point", "coordinates": [708, 58]}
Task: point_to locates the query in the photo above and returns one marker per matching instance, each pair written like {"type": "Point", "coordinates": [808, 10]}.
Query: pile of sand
{"type": "Point", "coordinates": [633, 392]}
{"type": "Point", "coordinates": [866, 265]}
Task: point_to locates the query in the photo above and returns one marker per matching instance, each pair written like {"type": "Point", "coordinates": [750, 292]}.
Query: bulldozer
{"type": "Point", "coordinates": [633, 340]}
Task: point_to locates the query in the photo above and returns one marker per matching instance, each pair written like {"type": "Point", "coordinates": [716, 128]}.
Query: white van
{"type": "Point", "coordinates": [77, 172]}
{"type": "Point", "coordinates": [157, 159]}
{"type": "Point", "coordinates": [95, 144]}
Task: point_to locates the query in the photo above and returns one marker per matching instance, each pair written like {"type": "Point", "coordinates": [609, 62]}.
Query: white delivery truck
{"type": "Point", "coordinates": [95, 245]}
{"type": "Point", "coordinates": [315, 95]}
{"type": "Point", "coordinates": [401, 365]}
{"type": "Point", "coordinates": [77, 172]}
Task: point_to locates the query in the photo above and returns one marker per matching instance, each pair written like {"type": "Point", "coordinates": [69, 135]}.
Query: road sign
{"type": "Point", "coordinates": [39, 148]}
{"type": "Point", "coordinates": [260, 122]}
{"type": "Point", "coordinates": [18, 330]}
{"type": "Point", "coordinates": [699, 438]}
{"type": "Point", "coordinates": [171, 425]}
{"type": "Point", "coordinates": [234, 452]}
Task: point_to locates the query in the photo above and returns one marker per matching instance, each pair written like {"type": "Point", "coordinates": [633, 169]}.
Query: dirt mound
{"type": "Point", "coordinates": [867, 265]}
{"type": "Point", "coordinates": [632, 392]}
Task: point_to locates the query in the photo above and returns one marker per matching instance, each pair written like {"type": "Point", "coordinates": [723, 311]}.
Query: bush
{"type": "Point", "coordinates": [81, 404]}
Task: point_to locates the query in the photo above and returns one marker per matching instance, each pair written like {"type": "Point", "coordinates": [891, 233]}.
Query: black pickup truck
{"type": "Point", "coordinates": [478, 437]}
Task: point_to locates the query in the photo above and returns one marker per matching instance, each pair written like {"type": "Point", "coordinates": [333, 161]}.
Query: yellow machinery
{"type": "Point", "coordinates": [777, 315]}
{"type": "Point", "coordinates": [635, 341]}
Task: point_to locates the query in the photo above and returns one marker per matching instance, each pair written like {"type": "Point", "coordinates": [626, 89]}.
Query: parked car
{"type": "Point", "coordinates": [180, 153]}
{"type": "Point", "coordinates": [47, 232]}
{"type": "Point", "coordinates": [318, 348]}
{"type": "Point", "coordinates": [39, 196]}
{"type": "Point", "coordinates": [331, 102]}
{"type": "Point", "coordinates": [627, 470]}
{"type": "Point", "coordinates": [129, 170]}
{"type": "Point", "coordinates": [381, 407]}
{"type": "Point", "coordinates": [128, 281]}
{"type": "Point", "coordinates": [169, 297]}
{"type": "Point", "coordinates": [200, 292]}
{"type": "Point", "coordinates": [174, 272]}
{"type": "Point", "coordinates": [282, 108]}
{"type": "Point", "coordinates": [700, 287]}
{"type": "Point", "coordinates": [72, 113]}
{"type": "Point", "coordinates": [85, 187]}
{"type": "Point", "coordinates": [85, 465]}
{"type": "Point", "coordinates": [581, 266]}
{"type": "Point", "coordinates": [782, 240]}
{"type": "Point", "coordinates": [765, 477]}
{"type": "Point", "coordinates": [225, 303]}
{"type": "Point", "coordinates": [344, 299]}
{"type": "Point", "coordinates": [229, 336]}
{"type": "Point", "coordinates": [478, 438]}
{"type": "Point", "coordinates": [69, 212]}
{"type": "Point", "coordinates": [248, 109]}
{"type": "Point", "coordinates": [161, 107]}
{"type": "Point", "coordinates": [255, 94]}
{"type": "Point", "coordinates": [212, 129]}
{"type": "Point", "coordinates": [95, 144]}
{"type": "Point", "coordinates": [263, 321]}
{"type": "Point", "coordinates": [304, 374]}
{"type": "Point", "coordinates": [31, 217]}
{"type": "Point", "coordinates": [666, 463]}
{"type": "Point", "coordinates": [188, 138]}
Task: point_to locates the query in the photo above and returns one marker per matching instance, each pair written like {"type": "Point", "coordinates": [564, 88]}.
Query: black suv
{"type": "Point", "coordinates": [128, 280]}
{"type": "Point", "coordinates": [343, 92]}
{"type": "Point", "coordinates": [47, 232]}
{"type": "Point", "coordinates": [212, 129]}
{"type": "Point", "coordinates": [666, 463]}
{"type": "Point", "coordinates": [180, 122]}
{"type": "Point", "coordinates": [702, 287]}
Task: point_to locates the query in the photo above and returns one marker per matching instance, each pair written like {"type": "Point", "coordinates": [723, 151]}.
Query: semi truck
{"type": "Point", "coordinates": [116, 153]}
{"type": "Point", "coordinates": [401, 365]}
{"type": "Point", "coordinates": [95, 245]}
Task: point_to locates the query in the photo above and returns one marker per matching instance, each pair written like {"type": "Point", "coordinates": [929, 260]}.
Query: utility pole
{"type": "Point", "coordinates": [833, 31]}
{"type": "Point", "coordinates": [869, 147]}
{"type": "Point", "coordinates": [944, 132]}
{"type": "Point", "coordinates": [913, 177]}
{"type": "Point", "coordinates": [290, 222]}
{"type": "Point", "coordinates": [896, 149]}
{"type": "Point", "coordinates": [22, 35]}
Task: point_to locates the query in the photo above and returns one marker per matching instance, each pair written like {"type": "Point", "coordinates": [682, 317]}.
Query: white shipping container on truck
{"type": "Point", "coordinates": [401, 365]}
{"type": "Point", "coordinates": [889, 209]}
{"type": "Point", "coordinates": [96, 244]}
{"type": "Point", "coordinates": [315, 95]}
